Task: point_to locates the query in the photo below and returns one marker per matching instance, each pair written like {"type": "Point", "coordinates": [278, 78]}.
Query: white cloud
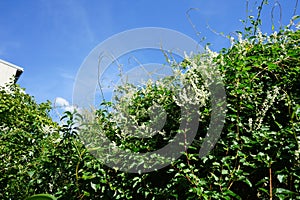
{"type": "Point", "coordinates": [70, 108]}
{"type": "Point", "coordinates": [63, 104]}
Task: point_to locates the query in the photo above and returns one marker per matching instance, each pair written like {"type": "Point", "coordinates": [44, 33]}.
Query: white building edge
{"type": "Point", "coordinates": [9, 71]}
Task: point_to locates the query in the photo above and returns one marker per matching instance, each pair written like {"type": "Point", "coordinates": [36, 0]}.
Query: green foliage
{"type": "Point", "coordinates": [42, 197]}
{"type": "Point", "coordinates": [38, 156]}
{"type": "Point", "coordinates": [139, 109]}
{"type": "Point", "coordinates": [260, 140]}
{"type": "Point", "coordinates": [19, 110]}
{"type": "Point", "coordinates": [257, 156]}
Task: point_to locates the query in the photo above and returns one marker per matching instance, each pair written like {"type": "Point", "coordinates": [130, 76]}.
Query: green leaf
{"type": "Point", "coordinates": [87, 177]}
{"type": "Point", "coordinates": [224, 171]}
{"type": "Point", "coordinates": [94, 186]}
{"type": "Point", "coordinates": [247, 181]}
{"type": "Point", "coordinates": [284, 191]}
{"type": "Point", "coordinates": [30, 173]}
{"type": "Point", "coordinates": [264, 190]}
{"type": "Point", "coordinates": [281, 177]}
{"type": "Point", "coordinates": [231, 193]}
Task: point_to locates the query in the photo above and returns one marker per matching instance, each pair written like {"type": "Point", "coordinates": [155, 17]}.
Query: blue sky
{"type": "Point", "coordinates": [51, 38]}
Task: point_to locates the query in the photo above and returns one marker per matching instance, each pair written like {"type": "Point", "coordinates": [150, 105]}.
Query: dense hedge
{"type": "Point", "coordinates": [257, 156]}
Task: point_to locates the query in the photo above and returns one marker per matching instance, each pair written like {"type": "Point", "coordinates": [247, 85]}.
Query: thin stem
{"type": "Point", "coordinates": [272, 14]}
{"type": "Point", "coordinates": [270, 177]}
{"type": "Point", "coordinates": [295, 8]}
{"type": "Point", "coordinates": [198, 33]}
{"type": "Point", "coordinates": [247, 12]}
{"type": "Point", "coordinates": [258, 16]}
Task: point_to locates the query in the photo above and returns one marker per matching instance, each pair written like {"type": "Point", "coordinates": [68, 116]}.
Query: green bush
{"type": "Point", "coordinates": [256, 157]}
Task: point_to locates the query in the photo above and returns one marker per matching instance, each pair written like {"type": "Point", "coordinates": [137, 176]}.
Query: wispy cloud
{"type": "Point", "coordinates": [68, 76]}
{"type": "Point", "coordinates": [69, 16]}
